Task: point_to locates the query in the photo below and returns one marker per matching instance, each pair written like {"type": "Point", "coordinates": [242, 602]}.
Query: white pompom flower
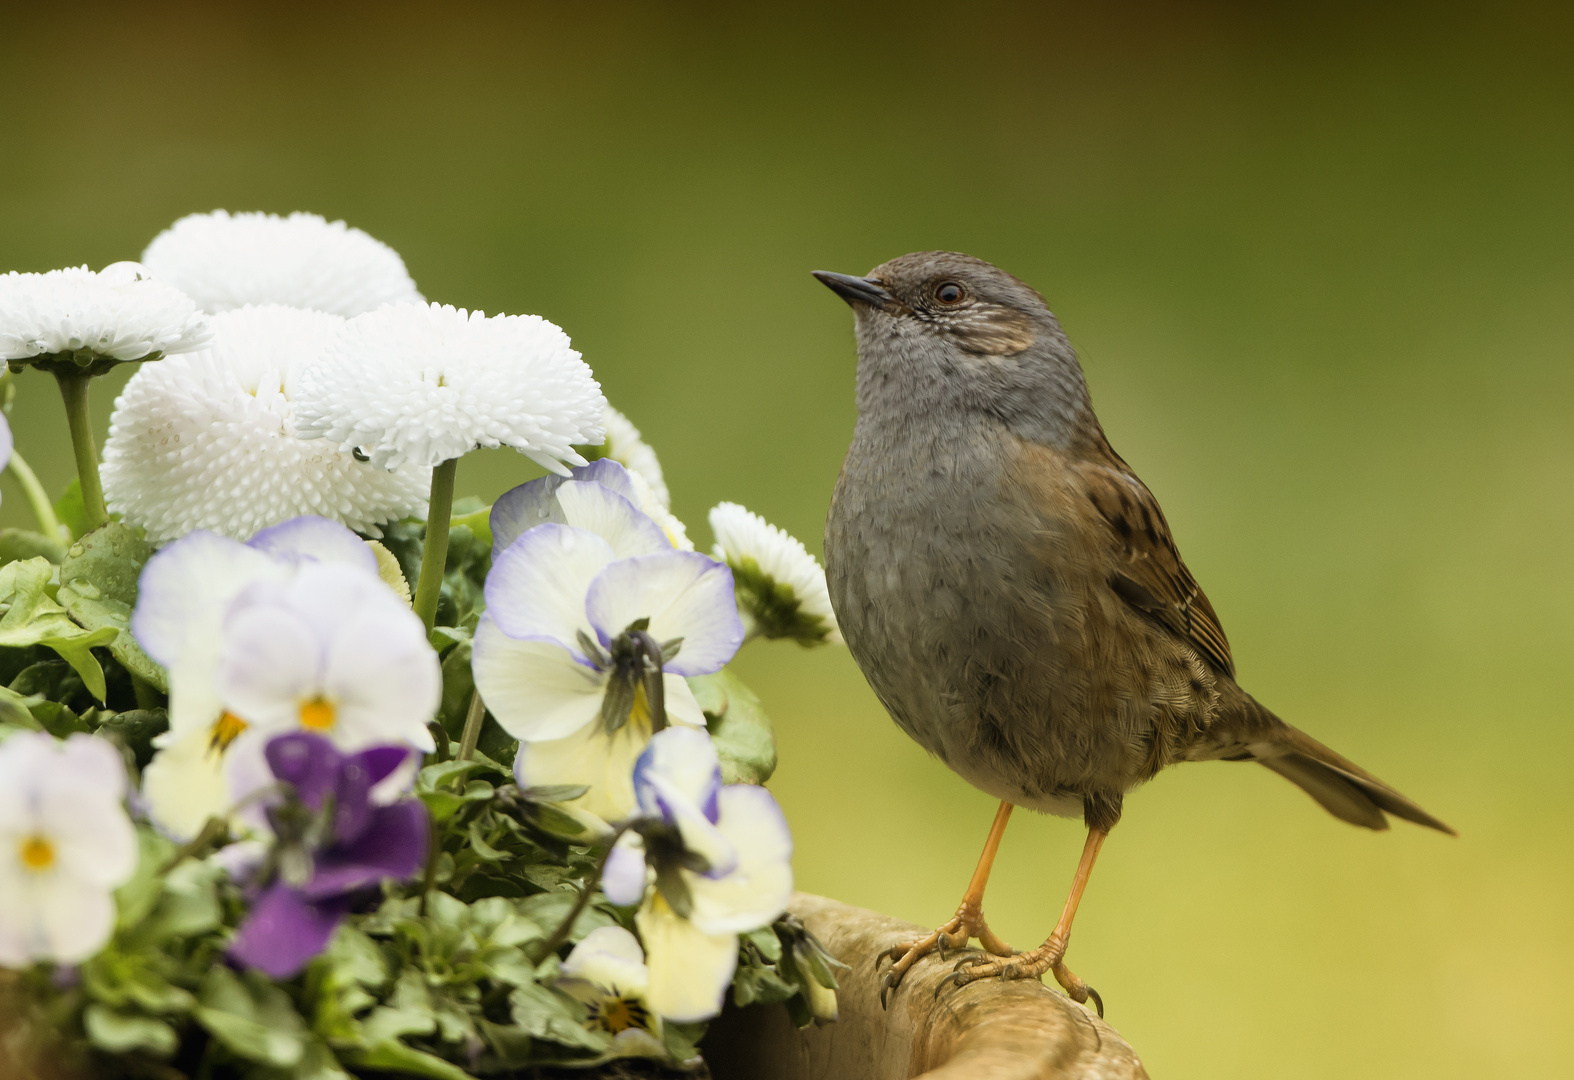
{"type": "Point", "coordinates": [65, 845]}
{"type": "Point", "coordinates": [781, 587]}
{"type": "Point", "coordinates": [429, 383]}
{"type": "Point", "coordinates": [80, 320]}
{"type": "Point", "coordinates": [208, 440]}
{"type": "Point", "coordinates": [225, 261]}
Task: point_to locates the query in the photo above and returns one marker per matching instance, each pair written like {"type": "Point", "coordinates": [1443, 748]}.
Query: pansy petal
{"type": "Point", "coordinates": [690, 969]}
{"type": "Point", "coordinates": [536, 589]}
{"type": "Point", "coordinates": [185, 784]}
{"type": "Point", "coordinates": [528, 505]}
{"type": "Point", "coordinates": [612, 517]}
{"type": "Point", "coordinates": [95, 762]}
{"type": "Point", "coordinates": [393, 845]}
{"type": "Point", "coordinates": [384, 678]}
{"type": "Point", "coordinates": [589, 756]}
{"type": "Point", "coordinates": [534, 689]}
{"type": "Point", "coordinates": [682, 706]}
{"type": "Point", "coordinates": [284, 931]}
{"type": "Point", "coordinates": [623, 879]}
{"type": "Point", "coordinates": [271, 663]}
{"type": "Point", "coordinates": [757, 891]}
{"type": "Point", "coordinates": [306, 761]}
{"type": "Point", "coordinates": [684, 595]}
{"type": "Point", "coordinates": [609, 957]}
{"type": "Point", "coordinates": [314, 539]}
{"type": "Point", "coordinates": [184, 590]}
{"type": "Point", "coordinates": [73, 919]}
{"type": "Point", "coordinates": [687, 762]}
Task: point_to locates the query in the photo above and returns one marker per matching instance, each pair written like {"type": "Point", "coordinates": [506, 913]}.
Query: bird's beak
{"type": "Point", "coordinates": [857, 290]}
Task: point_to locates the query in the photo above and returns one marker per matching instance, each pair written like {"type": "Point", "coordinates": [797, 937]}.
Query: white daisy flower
{"type": "Point", "coordinates": [76, 320]}
{"type": "Point", "coordinates": [226, 261]}
{"type": "Point", "coordinates": [628, 448]}
{"type": "Point", "coordinates": [429, 383]}
{"type": "Point", "coordinates": [65, 845]}
{"type": "Point", "coordinates": [208, 440]}
{"type": "Point", "coordinates": [780, 585]}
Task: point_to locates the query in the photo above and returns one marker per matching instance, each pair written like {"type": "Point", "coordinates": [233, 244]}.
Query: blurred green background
{"type": "Point", "coordinates": [1320, 271]}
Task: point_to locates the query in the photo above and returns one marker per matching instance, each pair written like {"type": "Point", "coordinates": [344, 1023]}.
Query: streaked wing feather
{"type": "Point", "coordinates": [1152, 578]}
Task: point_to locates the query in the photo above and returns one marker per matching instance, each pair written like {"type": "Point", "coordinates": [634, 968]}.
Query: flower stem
{"type": "Point", "coordinates": [566, 927]}
{"type": "Point", "coordinates": [48, 523]}
{"type": "Point", "coordinates": [434, 553]}
{"type": "Point", "coordinates": [73, 390]}
{"type": "Point", "coordinates": [472, 732]}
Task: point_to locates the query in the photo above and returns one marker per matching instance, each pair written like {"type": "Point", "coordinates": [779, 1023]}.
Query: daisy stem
{"type": "Point", "coordinates": [472, 732]}
{"type": "Point", "coordinates": [434, 553]}
{"type": "Point", "coordinates": [48, 523]}
{"type": "Point", "coordinates": [73, 391]}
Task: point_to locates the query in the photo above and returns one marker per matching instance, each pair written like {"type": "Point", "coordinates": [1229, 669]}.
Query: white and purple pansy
{"type": "Point", "coordinates": [705, 862]}
{"type": "Point", "coordinates": [593, 621]}
{"type": "Point", "coordinates": [293, 629]}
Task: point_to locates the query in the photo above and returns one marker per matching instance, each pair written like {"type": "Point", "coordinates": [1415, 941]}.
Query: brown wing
{"type": "Point", "coordinates": [1152, 577]}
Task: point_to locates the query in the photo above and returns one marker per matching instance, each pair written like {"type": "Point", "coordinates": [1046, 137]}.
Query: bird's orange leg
{"type": "Point", "coordinates": [966, 924]}
{"type": "Point", "coordinates": [1049, 956]}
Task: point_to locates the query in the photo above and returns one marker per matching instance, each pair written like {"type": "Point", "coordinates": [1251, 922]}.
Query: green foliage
{"type": "Point", "coordinates": [70, 509]}
{"type": "Point", "coordinates": [461, 599]}
{"type": "Point", "coordinates": [21, 544]}
{"type": "Point", "coordinates": [98, 588]}
{"type": "Point", "coordinates": [738, 725]}
{"type": "Point", "coordinates": [32, 616]}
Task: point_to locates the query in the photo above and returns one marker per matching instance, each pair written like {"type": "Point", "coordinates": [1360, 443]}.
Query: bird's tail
{"type": "Point", "coordinates": [1339, 785]}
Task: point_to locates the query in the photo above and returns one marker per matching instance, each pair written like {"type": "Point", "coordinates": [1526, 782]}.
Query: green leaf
{"type": "Point", "coordinates": [252, 1019]}
{"type": "Point", "coordinates": [479, 522]}
{"type": "Point", "coordinates": [765, 940]}
{"type": "Point", "coordinates": [70, 509]}
{"type": "Point", "coordinates": [98, 588]}
{"type": "Point", "coordinates": [396, 1057]}
{"type": "Point", "coordinates": [742, 732]}
{"type": "Point", "coordinates": [17, 709]}
{"type": "Point", "coordinates": [119, 1033]}
{"type": "Point", "coordinates": [20, 544]}
{"type": "Point", "coordinates": [554, 1016]}
{"type": "Point", "coordinates": [33, 617]}
{"type": "Point", "coordinates": [136, 898]}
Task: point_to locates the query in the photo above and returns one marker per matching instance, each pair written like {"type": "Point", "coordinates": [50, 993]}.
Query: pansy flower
{"type": "Point", "coordinates": [705, 862]}
{"type": "Point", "coordinates": [606, 973]}
{"type": "Point", "coordinates": [593, 619]}
{"type": "Point", "coordinates": [333, 840]}
{"type": "Point", "coordinates": [65, 845]}
{"type": "Point", "coordinates": [250, 649]}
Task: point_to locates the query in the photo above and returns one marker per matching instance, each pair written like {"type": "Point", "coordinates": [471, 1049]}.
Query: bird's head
{"type": "Point", "coordinates": [965, 330]}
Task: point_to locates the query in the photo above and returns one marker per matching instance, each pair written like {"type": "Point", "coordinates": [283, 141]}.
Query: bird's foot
{"type": "Point", "coordinates": [966, 924]}
{"type": "Point", "coordinates": [1032, 964]}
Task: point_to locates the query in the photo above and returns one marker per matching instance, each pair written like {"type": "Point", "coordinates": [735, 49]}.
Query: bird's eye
{"type": "Point", "coordinates": [949, 293]}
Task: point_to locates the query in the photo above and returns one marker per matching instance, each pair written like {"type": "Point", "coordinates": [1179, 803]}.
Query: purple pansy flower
{"type": "Point", "coordinates": [366, 843]}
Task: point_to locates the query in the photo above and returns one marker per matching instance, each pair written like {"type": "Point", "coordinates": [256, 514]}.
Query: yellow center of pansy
{"type": "Point", "coordinates": [318, 715]}
{"type": "Point", "coordinates": [619, 1014]}
{"type": "Point", "coordinates": [226, 729]}
{"type": "Point", "coordinates": [37, 853]}
{"type": "Point", "coordinates": [639, 712]}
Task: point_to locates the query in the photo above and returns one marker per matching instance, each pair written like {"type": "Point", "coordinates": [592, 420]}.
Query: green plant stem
{"type": "Point", "coordinates": [561, 934]}
{"type": "Point", "coordinates": [73, 390]}
{"type": "Point", "coordinates": [434, 552]}
{"type": "Point", "coordinates": [472, 732]}
{"type": "Point", "coordinates": [48, 523]}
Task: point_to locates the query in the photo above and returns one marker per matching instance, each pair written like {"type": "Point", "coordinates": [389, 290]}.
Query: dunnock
{"type": "Point", "coordinates": [1012, 592]}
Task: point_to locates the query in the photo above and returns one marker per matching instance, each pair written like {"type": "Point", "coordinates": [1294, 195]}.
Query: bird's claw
{"type": "Point", "coordinates": [1028, 965]}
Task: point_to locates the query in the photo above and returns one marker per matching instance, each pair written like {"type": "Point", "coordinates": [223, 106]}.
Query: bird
{"type": "Point", "coordinates": [1014, 596]}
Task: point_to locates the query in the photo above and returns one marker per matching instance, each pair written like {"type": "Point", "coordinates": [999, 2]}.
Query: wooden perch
{"type": "Point", "coordinates": [988, 1030]}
